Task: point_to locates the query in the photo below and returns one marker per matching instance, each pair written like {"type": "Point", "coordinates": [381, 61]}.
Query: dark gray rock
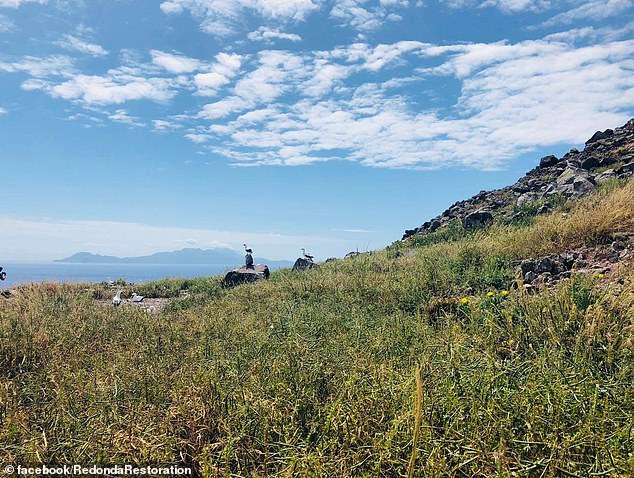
{"type": "Point", "coordinates": [582, 186]}
{"type": "Point", "coordinates": [599, 135]}
{"type": "Point", "coordinates": [526, 198]}
{"type": "Point", "coordinates": [477, 220]}
{"type": "Point", "coordinates": [570, 174]}
{"type": "Point", "coordinates": [245, 276]}
{"type": "Point", "coordinates": [590, 162]}
{"type": "Point", "coordinates": [527, 265]}
{"type": "Point", "coordinates": [302, 264]}
{"type": "Point", "coordinates": [548, 161]}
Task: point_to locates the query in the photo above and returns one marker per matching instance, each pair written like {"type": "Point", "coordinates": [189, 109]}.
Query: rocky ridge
{"type": "Point", "coordinates": [607, 155]}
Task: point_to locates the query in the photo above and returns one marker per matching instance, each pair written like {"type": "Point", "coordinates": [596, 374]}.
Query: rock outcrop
{"type": "Point", "coordinates": [244, 275]}
{"type": "Point", "coordinates": [598, 260]}
{"type": "Point", "coordinates": [607, 155]}
{"type": "Point", "coordinates": [302, 264]}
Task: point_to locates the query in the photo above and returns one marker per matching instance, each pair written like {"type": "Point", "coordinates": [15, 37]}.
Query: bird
{"type": "Point", "coordinates": [116, 300]}
{"type": "Point", "coordinates": [307, 256]}
{"type": "Point", "coordinates": [3, 274]}
{"type": "Point", "coordinates": [136, 298]}
{"type": "Point", "coordinates": [248, 258]}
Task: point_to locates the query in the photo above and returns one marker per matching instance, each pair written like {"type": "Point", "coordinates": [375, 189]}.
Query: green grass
{"type": "Point", "coordinates": [409, 364]}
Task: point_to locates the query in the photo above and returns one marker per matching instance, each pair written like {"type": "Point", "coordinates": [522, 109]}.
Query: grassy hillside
{"type": "Point", "coordinates": [420, 360]}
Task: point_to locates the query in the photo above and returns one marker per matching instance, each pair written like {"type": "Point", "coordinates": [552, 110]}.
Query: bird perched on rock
{"type": "Point", "coordinates": [136, 297]}
{"type": "Point", "coordinates": [307, 256]}
{"type": "Point", "coordinates": [248, 258]}
{"type": "Point", "coordinates": [116, 300]}
{"type": "Point", "coordinates": [3, 274]}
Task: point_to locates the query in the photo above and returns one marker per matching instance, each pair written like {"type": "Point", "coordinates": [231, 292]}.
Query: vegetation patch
{"type": "Point", "coordinates": [425, 362]}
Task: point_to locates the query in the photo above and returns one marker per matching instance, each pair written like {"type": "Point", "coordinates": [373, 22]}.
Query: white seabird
{"type": "Point", "coordinates": [116, 300]}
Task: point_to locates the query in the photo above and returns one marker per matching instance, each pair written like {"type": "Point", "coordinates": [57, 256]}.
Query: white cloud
{"type": "Point", "coordinates": [591, 33]}
{"type": "Point", "coordinates": [17, 3]}
{"type": "Point", "coordinates": [56, 65]}
{"type": "Point", "coordinates": [218, 74]}
{"type": "Point", "coordinates": [223, 17]}
{"type": "Point", "coordinates": [361, 16]}
{"type": "Point", "coordinates": [122, 116]}
{"type": "Point", "coordinates": [222, 108]}
{"type": "Point", "coordinates": [165, 125]}
{"type": "Point", "coordinates": [513, 98]}
{"type": "Point", "coordinates": [514, 6]}
{"type": "Point", "coordinates": [3, 111]}
{"type": "Point", "coordinates": [47, 239]}
{"type": "Point", "coordinates": [174, 63]}
{"type": "Point", "coordinates": [197, 138]}
{"type": "Point", "coordinates": [594, 9]}
{"type": "Point", "coordinates": [71, 42]}
{"type": "Point", "coordinates": [113, 88]}
{"type": "Point", "coordinates": [271, 34]}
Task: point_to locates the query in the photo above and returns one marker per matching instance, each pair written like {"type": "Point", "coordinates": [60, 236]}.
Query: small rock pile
{"type": "Point", "coordinates": [607, 155]}
{"type": "Point", "coordinates": [554, 268]}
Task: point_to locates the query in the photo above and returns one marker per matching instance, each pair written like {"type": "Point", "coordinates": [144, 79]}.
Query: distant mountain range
{"type": "Point", "coordinates": [215, 256]}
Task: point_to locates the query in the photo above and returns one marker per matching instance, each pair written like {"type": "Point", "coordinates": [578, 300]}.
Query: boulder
{"type": "Point", "coordinates": [582, 186]}
{"type": "Point", "coordinates": [599, 135]}
{"type": "Point", "coordinates": [605, 176]}
{"type": "Point", "coordinates": [477, 220]}
{"type": "Point", "coordinates": [569, 175]}
{"type": "Point", "coordinates": [526, 198]}
{"type": "Point", "coordinates": [302, 264]}
{"type": "Point", "coordinates": [245, 276]}
{"type": "Point", "coordinates": [548, 161]}
{"type": "Point", "coordinates": [590, 162]}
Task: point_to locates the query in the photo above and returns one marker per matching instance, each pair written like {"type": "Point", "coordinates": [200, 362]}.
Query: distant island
{"type": "Point", "coordinates": [214, 256]}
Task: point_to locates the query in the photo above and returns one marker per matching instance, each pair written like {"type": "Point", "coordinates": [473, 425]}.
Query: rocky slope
{"type": "Point", "coordinates": [607, 154]}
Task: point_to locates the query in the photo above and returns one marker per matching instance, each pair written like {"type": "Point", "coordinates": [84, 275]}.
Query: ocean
{"type": "Point", "coordinates": [23, 273]}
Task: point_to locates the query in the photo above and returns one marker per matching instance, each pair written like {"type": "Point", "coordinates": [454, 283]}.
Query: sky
{"type": "Point", "coordinates": [132, 127]}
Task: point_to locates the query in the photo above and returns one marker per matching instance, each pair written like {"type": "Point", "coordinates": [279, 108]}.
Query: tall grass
{"type": "Point", "coordinates": [312, 374]}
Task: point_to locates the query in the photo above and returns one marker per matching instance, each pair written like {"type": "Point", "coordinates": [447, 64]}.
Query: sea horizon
{"type": "Point", "coordinates": [27, 272]}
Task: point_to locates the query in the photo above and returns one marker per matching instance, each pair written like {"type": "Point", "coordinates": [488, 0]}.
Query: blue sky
{"type": "Point", "coordinates": [131, 127]}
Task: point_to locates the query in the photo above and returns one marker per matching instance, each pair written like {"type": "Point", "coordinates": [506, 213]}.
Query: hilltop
{"type": "Point", "coordinates": [607, 155]}
{"type": "Point", "coordinates": [438, 356]}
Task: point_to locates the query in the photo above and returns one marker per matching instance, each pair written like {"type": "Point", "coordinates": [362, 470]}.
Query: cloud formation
{"type": "Point", "coordinates": [222, 17]}
{"type": "Point", "coordinates": [513, 98]}
{"type": "Point", "coordinates": [81, 45]}
{"type": "Point", "coordinates": [174, 63]}
{"type": "Point", "coordinates": [594, 9]}
{"type": "Point", "coordinates": [361, 102]}
{"type": "Point", "coordinates": [270, 34]}
{"type": "Point", "coordinates": [17, 3]}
